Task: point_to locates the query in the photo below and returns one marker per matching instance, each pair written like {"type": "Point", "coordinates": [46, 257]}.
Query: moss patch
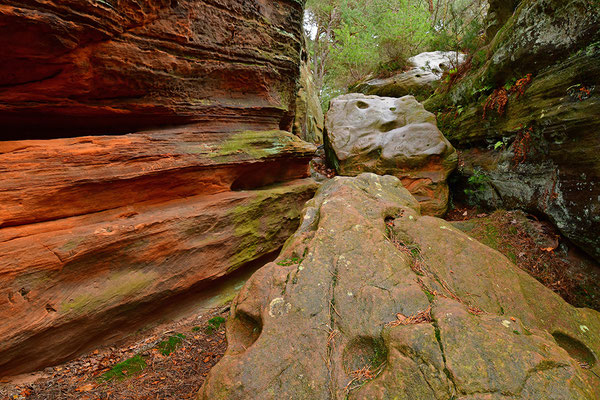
{"type": "Point", "coordinates": [168, 346]}
{"type": "Point", "coordinates": [125, 369]}
{"type": "Point", "coordinates": [214, 324]}
{"type": "Point", "coordinates": [256, 144]}
{"type": "Point", "coordinates": [115, 288]}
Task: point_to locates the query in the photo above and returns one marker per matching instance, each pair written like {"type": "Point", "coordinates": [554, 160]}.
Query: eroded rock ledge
{"type": "Point", "coordinates": [119, 66]}
{"type": "Point", "coordinates": [369, 299]}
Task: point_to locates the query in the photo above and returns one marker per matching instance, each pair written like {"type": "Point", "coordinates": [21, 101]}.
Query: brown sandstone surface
{"type": "Point", "coordinates": [369, 299]}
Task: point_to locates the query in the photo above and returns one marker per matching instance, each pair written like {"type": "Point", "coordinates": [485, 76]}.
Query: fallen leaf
{"type": "Point", "coordinates": [85, 388]}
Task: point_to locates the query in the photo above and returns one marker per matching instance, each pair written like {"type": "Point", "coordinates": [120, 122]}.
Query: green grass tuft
{"type": "Point", "coordinates": [125, 369]}
{"type": "Point", "coordinates": [214, 324]}
{"type": "Point", "coordinates": [170, 345]}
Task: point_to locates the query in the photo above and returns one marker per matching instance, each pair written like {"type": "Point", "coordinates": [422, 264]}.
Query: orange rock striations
{"type": "Point", "coordinates": [145, 152]}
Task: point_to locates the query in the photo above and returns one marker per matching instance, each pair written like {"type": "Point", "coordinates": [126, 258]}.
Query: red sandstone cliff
{"type": "Point", "coordinates": [158, 125]}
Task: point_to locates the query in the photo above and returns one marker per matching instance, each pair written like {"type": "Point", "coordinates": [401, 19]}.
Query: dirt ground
{"type": "Point", "coordinates": [169, 362]}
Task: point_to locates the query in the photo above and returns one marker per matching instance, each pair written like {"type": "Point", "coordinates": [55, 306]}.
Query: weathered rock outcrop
{"type": "Point", "coordinates": [119, 66]}
{"type": "Point", "coordinates": [69, 284]}
{"type": "Point", "coordinates": [498, 13]}
{"type": "Point", "coordinates": [392, 136]}
{"type": "Point", "coordinates": [540, 152]}
{"type": "Point", "coordinates": [371, 300]}
{"type": "Point", "coordinates": [309, 122]}
{"type": "Point", "coordinates": [100, 233]}
{"type": "Point", "coordinates": [419, 81]}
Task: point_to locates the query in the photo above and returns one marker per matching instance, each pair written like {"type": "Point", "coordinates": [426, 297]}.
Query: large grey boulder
{"type": "Point", "coordinates": [420, 80]}
{"type": "Point", "coordinates": [371, 300]}
{"type": "Point", "coordinates": [390, 136]}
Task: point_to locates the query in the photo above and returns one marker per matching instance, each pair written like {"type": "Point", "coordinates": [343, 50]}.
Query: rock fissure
{"type": "Point", "coordinates": [331, 364]}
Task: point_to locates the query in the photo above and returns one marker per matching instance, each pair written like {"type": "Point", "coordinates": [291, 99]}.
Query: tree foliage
{"type": "Point", "coordinates": [350, 40]}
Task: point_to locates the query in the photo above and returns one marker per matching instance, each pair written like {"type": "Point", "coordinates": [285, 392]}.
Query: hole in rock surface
{"type": "Point", "coordinates": [363, 352]}
{"type": "Point", "coordinates": [575, 348]}
{"type": "Point", "coordinates": [362, 105]}
{"type": "Point", "coordinates": [245, 329]}
{"type": "Point", "coordinates": [388, 126]}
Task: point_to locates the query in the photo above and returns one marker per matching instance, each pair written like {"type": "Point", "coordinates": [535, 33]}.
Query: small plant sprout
{"type": "Point", "coordinates": [214, 324]}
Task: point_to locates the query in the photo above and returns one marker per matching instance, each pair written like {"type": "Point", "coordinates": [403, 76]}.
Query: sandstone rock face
{"type": "Point", "coordinates": [45, 180]}
{"type": "Point", "coordinates": [547, 161]}
{"type": "Point", "coordinates": [309, 122]}
{"type": "Point", "coordinates": [124, 65]}
{"type": "Point", "coordinates": [419, 81]}
{"type": "Point", "coordinates": [67, 285]}
{"type": "Point", "coordinates": [100, 231]}
{"type": "Point", "coordinates": [540, 33]}
{"type": "Point", "coordinates": [396, 137]}
{"type": "Point", "coordinates": [371, 300]}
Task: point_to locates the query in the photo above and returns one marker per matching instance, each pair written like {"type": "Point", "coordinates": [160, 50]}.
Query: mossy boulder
{"type": "Point", "coordinates": [383, 303]}
{"type": "Point", "coordinates": [538, 152]}
{"type": "Point", "coordinates": [420, 80]}
{"type": "Point", "coordinates": [542, 154]}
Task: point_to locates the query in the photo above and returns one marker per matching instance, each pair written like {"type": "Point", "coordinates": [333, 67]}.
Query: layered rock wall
{"type": "Point", "coordinates": [146, 152]}
{"type": "Point", "coordinates": [118, 66]}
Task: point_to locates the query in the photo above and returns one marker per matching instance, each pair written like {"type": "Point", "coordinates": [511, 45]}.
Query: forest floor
{"type": "Point", "coordinates": [170, 361]}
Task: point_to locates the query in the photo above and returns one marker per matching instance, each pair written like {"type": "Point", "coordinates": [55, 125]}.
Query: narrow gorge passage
{"type": "Point", "coordinates": [300, 199]}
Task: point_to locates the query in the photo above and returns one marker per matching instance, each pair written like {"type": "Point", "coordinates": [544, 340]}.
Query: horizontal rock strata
{"type": "Point", "coordinates": [66, 284]}
{"type": "Point", "coordinates": [146, 151]}
{"type": "Point", "coordinates": [119, 66]}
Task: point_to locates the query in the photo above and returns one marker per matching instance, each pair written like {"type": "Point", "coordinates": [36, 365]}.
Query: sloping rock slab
{"type": "Point", "coordinates": [392, 136]}
{"type": "Point", "coordinates": [66, 285]}
{"type": "Point", "coordinates": [371, 300]}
